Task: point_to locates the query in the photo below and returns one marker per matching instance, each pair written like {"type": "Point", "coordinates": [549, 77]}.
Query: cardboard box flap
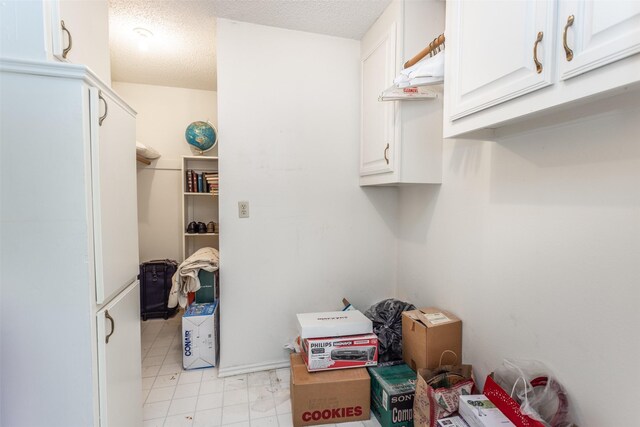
{"type": "Point", "coordinates": [300, 375]}
{"type": "Point", "coordinates": [431, 316]}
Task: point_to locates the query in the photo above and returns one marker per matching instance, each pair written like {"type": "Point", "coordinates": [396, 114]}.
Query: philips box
{"type": "Point", "coordinates": [333, 324]}
{"type": "Point", "coordinates": [200, 336]}
{"type": "Point", "coordinates": [353, 351]}
{"type": "Point", "coordinates": [392, 393]}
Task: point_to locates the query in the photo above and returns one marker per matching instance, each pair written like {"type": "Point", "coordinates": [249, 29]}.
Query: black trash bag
{"type": "Point", "coordinates": [387, 325]}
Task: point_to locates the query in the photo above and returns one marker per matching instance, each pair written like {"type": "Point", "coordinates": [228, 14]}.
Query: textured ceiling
{"type": "Point", "coordinates": [182, 50]}
{"type": "Point", "coordinates": [341, 18]}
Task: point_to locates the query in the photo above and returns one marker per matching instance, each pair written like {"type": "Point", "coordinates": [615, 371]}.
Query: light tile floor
{"type": "Point", "coordinates": [173, 396]}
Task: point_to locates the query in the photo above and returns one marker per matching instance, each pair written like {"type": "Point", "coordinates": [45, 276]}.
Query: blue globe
{"type": "Point", "coordinates": [201, 135]}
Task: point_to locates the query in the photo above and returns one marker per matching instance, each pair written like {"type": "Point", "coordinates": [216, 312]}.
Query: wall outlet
{"type": "Point", "coordinates": [243, 209]}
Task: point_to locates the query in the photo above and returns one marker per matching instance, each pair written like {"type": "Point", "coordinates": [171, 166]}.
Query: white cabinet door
{"type": "Point", "coordinates": [495, 47]}
{"type": "Point", "coordinates": [113, 176]}
{"type": "Point", "coordinates": [119, 365]}
{"type": "Point", "coordinates": [86, 34]}
{"type": "Point", "coordinates": [597, 33]}
{"type": "Point", "coordinates": [377, 145]}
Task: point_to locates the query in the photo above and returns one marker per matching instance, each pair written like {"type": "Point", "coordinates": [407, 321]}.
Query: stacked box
{"type": "Point", "coordinates": [431, 337]}
{"type": "Point", "coordinates": [208, 291]}
{"type": "Point", "coordinates": [200, 334]}
{"type": "Point", "coordinates": [337, 340]}
{"type": "Point", "coordinates": [392, 392]}
{"type": "Point", "coordinates": [328, 397]}
{"type": "Point", "coordinates": [354, 351]}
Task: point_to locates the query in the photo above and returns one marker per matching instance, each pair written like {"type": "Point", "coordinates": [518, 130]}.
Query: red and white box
{"type": "Point", "coordinates": [354, 351]}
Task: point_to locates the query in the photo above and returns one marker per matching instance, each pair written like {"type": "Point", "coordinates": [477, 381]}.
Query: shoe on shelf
{"type": "Point", "coordinates": [192, 227]}
{"type": "Point", "coordinates": [211, 227]}
{"type": "Point", "coordinates": [202, 228]}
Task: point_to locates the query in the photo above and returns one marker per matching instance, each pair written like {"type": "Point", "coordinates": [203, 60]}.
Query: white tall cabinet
{"type": "Point", "coordinates": [70, 353]}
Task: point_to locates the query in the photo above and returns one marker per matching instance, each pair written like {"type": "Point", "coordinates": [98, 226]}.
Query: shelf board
{"type": "Point", "coordinates": [200, 158]}
{"type": "Point", "coordinates": [199, 194]}
{"type": "Point", "coordinates": [200, 234]}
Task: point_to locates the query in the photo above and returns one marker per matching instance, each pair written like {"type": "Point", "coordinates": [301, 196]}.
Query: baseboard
{"type": "Point", "coordinates": [246, 369]}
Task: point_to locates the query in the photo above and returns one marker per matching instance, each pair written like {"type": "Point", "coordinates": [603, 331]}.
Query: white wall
{"type": "Point", "coordinates": [163, 115]}
{"type": "Point", "coordinates": [534, 241]}
{"type": "Point", "coordinates": [289, 130]}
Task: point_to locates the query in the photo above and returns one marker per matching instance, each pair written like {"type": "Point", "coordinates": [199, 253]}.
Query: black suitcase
{"type": "Point", "coordinates": [155, 285]}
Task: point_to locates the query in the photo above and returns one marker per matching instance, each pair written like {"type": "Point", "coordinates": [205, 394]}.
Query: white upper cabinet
{"type": "Point", "coordinates": [513, 61]}
{"type": "Point", "coordinates": [596, 33]}
{"type": "Point", "coordinates": [114, 194]}
{"type": "Point", "coordinates": [400, 141]}
{"type": "Point", "coordinates": [378, 118]}
{"type": "Point", "coordinates": [504, 50]}
{"type": "Point", "coordinates": [32, 30]}
{"type": "Point", "coordinates": [80, 34]}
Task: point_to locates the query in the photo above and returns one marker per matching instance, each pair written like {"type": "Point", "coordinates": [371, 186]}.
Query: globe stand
{"type": "Point", "coordinates": [201, 137]}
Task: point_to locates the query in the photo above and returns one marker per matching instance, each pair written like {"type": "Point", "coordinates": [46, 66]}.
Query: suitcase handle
{"type": "Point", "coordinates": [167, 260]}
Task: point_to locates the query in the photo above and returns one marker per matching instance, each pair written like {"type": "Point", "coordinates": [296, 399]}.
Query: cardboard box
{"type": "Point", "coordinates": [200, 336]}
{"type": "Point", "coordinates": [208, 291]}
{"type": "Point", "coordinates": [333, 324]}
{"type": "Point", "coordinates": [354, 351]}
{"type": "Point", "coordinates": [328, 397]}
{"type": "Point", "coordinates": [392, 393]}
{"type": "Point", "coordinates": [427, 333]}
{"type": "Point", "coordinates": [452, 422]}
{"type": "Point", "coordinates": [478, 411]}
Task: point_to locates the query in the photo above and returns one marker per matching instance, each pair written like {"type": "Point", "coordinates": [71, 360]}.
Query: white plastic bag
{"type": "Point", "coordinates": [534, 386]}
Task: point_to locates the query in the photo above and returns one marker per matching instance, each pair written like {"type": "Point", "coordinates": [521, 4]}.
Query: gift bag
{"type": "Point", "coordinates": [438, 391]}
{"type": "Point", "coordinates": [509, 407]}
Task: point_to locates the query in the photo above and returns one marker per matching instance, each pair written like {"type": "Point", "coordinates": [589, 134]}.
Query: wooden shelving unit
{"type": "Point", "coordinates": [198, 207]}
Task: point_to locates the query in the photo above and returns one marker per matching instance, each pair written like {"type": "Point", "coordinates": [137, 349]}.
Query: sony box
{"type": "Point", "coordinates": [333, 324]}
{"type": "Point", "coordinates": [200, 336]}
{"type": "Point", "coordinates": [328, 397]}
{"type": "Point", "coordinates": [427, 334]}
{"type": "Point", "coordinates": [354, 351]}
{"type": "Point", "coordinates": [392, 392]}
{"type": "Point", "coordinates": [478, 411]}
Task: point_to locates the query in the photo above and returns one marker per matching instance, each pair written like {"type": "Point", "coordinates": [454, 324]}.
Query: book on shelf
{"type": "Point", "coordinates": [188, 181]}
{"type": "Point", "coordinates": [200, 184]}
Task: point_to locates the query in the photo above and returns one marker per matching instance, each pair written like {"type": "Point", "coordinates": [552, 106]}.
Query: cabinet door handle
{"type": "Point", "coordinates": [567, 50]}
{"type": "Point", "coordinates": [113, 325]}
{"type": "Point", "coordinates": [535, 52]}
{"type": "Point", "coordinates": [66, 50]}
{"type": "Point", "coordinates": [386, 153]}
{"type": "Point", "coordinates": [106, 109]}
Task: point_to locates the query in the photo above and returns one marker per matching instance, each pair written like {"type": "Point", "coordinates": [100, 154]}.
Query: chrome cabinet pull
{"type": "Point", "coordinates": [66, 50]}
{"type": "Point", "coordinates": [113, 325]}
{"type": "Point", "coordinates": [106, 109]}
{"type": "Point", "coordinates": [535, 52]}
{"type": "Point", "coordinates": [386, 153]}
{"type": "Point", "coordinates": [567, 50]}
